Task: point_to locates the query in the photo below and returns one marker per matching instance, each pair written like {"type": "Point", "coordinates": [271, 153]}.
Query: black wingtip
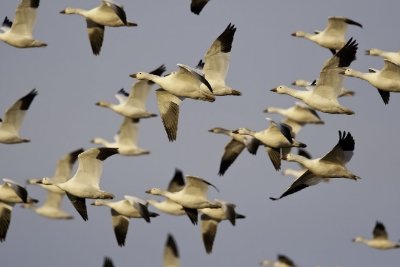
{"type": "Point", "coordinates": [159, 71]}
{"type": "Point", "coordinates": [123, 92]}
{"type": "Point", "coordinates": [172, 245]}
{"type": "Point", "coordinates": [346, 141]}
{"type": "Point", "coordinates": [7, 22]}
{"type": "Point", "coordinates": [274, 198]}
{"type": "Point", "coordinates": [105, 152]}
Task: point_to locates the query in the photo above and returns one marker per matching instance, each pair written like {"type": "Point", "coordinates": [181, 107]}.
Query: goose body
{"type": "Point", "coordinates": [333, 36]}
{"type": "Point", "coordinates": [12, 120]}
{"type": "Point", "coordinates": [108, 13]}
{"type": "Point", "coordinates": [216, 63]}
{"type": "Point", "coordinates": [274, 138]}
{"type": "Point", "coordinates": [125, 140]}
{"type": "Point", "coordinates": [133, 105]}
{"type": "Point", "coordinates": [86, 181]}
{"type": "Point", "coordinates": [19, 33]}
{"type": "Point", "coordinates": [122, 211]}
{"type": "Point", "coordinates": [324, 97]}
{"type": "Point", "coordinates": [386, 80]}
{"type": "Point", "coordinates": [380, 239]}
{"type": "Point", "coordinates": [310, 85]}
{"type": "Point", "coordinates": [298, 113]}
{"type": "Point", "coordinates": [388, 55]}
{"type": "Point", "coordinates": [210, 219]}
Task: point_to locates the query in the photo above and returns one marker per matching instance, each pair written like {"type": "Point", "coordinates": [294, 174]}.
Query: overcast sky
{"type": "Point", "coordinates": [313, 227]}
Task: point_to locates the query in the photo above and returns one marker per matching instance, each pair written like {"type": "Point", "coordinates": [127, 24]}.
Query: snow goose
{"type": "Point", "coordinates": [19, 33]}
{"type": "Point", "coordinates": [333, 36]}
{"type": "Point", "coordinates": [133, 105]}
{"type": "Point", "coordinates": [391, 56]}
{"type": "Point", "coordinates": [11, 123]}
{"type": "Point", "coordinates": [171, 253]}
{"type": "Point", "coordinates": [170, 207]}
{"type": "Point", "coordinates": [108, 13]}
{"type": "Point", "coordinates": [310, 85]}
{"type": "Point", "coordinates": [274, 138]}
{"type": "Point", "coordinates": [193, 195]}
{"type": "Point", "coordinates": [216, 62]}
{"type": "Point", "coordinates": [52, 206]}
{"type": "Point", "coordinates": [324, 96]}
{"type": "Point", "coordinates": [385, 80]}
{"type": "Point", "coordinates": [332, 165]}
{"type": "Point", "coordinates": [10, 194]}
{"type": "Point", "coordinates": [196, 6]}
{"type": "Point", "coordinates": [298, 113]}
{"type": "Point", "coordinates": [380, 238]}
{"type": "Point", "coordinates": [210, 219]}
{"type": "Point", "coordinates": [282, 261]}
{"type": "Point", "coordinates": [121, 211]}
{"type": "Point", "coordinates": [125, 140]}
{"type": "Point", "coordinates": [231, 150]}
{"type": "Point", "coordinates": [86, 181]}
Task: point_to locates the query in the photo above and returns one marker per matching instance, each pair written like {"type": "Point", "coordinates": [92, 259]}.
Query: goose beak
{"type": "Point", "coordinates": [92, 203]}
{"type": "Point", "coordinates": [274, 90]}
{"type": "Point", "coordinates": [62, 11]}
{"type": "Point", "coordinates": [133, 75]}
{"type": "Point", "coordinates": [342, 72]}
{"type": "Point", "coordinates": [147, 191]}
{"type": "Point", "coordinates": [293, 34]}
{"type": "Point", "coordinates": [293, 83]}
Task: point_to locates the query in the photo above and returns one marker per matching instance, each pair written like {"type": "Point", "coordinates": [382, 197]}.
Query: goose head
{"type": "Point", "coordinates": [45, 181]}
{"type": "Point", "coordinates": [139, 75]}
{"type": "Point", "coordinates": [155, 191]}
{"type": "Point", "coordinates": [346, 72]}
{"type": "Point", "coordinates": [281, 89]}
{"type": "Point", "coordinates": [98, 202]}
{"type": "Point", "coordinates": [298, 34]}
{"type": "Point", "coordinates": [358, 239]}
{"type": "Point", "coordinates": [102, 104]}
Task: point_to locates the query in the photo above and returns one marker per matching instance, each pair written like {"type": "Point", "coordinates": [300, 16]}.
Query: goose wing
{"type": "Point", "coordinates": [120, 224]}
{"type": "Point", "coordinates": [390, 70]}
{"type": "Point", "coordinates": [122, 96]}
{"type": "Point", "coordinates": [177, 182]}
{"type": "Point", "coordinates": [128, 132]}
{"type": "Point", "coordinates": [19, 190]}
{"type": "Point", "coordinates": [379, 231]}
{"type": "Point", "coordinates": [5, 219]}
{"type": "Point", "coordinates": [197, 6]}
{"type": "Point", "coordinates": [209, 228]}
{"type": "Point", "coordinates": [218, 55]}
{"type": "Point", "coordinates": [64, 166]}
{"type": "Point", "coordinates": [275, 157]}
{"type": "Point", "coordinates": [79, 204]}
{"type": "Point", "coordinates": [53, 200]}
{"type": "Point", "coordinates": [116, 8]}
{"type": "Point", "coordinates": [285, 260]}
{"type": "Point", "coordinates": [15, 114]}
{"type": "Point", "coordinates": [25, 17]}
{"type": "Point", "coordinates": [96, 35]}
{"type": "Point", "coordinates": [90, 165]}
{"type": "Point", "coordinates": [337, 26]}
{"type": "Point", "coordinates": [343, 151]}
{"type": "Point", "coordinates": [329, 84]}
{"type": "Point", "coordinates": [108, 262]}
{"type": "Point", "coordinates": [197, 186]}
{"type": "Point", "coordinates": [171, 253]}
{"type": "Point", "coordinates": [231, 152]}
{"type": "Point", "coordinates": [305, 180]}
{"type": "Point", "coordinates": [168, 106]}
{"type": "Point", "coordinates": [188, 74]}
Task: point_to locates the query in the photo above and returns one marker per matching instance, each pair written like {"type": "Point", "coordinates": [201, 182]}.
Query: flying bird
{"type": "Point", "coordinates": [388, 55]}
{"type": "Point", "coordinates": [19, 33]}
{"type": "Point", "coordinates": [333, 36]}
{"type": "Point", "coordinates": [108, 13]}
{"type": "Point", "coordinates": [380, 238]}
{"type": "Point", "coordinates": [12, 120]}
{"type": "Point", "coordinates": [86, 181]}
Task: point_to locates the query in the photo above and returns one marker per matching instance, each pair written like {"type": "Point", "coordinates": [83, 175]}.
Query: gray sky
{"type": "Point", "coordinates": [313, 227]}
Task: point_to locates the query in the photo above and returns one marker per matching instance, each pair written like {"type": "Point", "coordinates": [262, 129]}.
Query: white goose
{"type": "Point", "coordinates": [170, 207]}
{"type": "Point", "coordinates": [282, 261]}
{"type": "Point", "coordinates": [126, 140]}
{"type": "Point", "coordinates": [86, 181]}
{"type": "Point", "coordinates": [210, 219]}
{"type": "Point", "coordinates": [196, 6]}
{"type": "Point", "coordinates": [10, 194]}
{"type": "Point", "coordinates": [298, 113]}
{"type": "Point", "coordinates": [193, 195]}
{"type": "Point", "coordinates": [171, 253]}
{"type": "Point", "coordinates": [231, 150]}
{"type": "Point", "coordinates": [51, 208]}
{"type": "Point", "coordinates": [386, 80]}
{"type": "Point", "coordinates": [310, 85]}
{"type": "Point", "coordinates": [108, 13]}
{"type": "Point", "coordinates": [332, 165]}
{"type": "Point", "coordinates": [391, 56]}
{"type": "Point", "coordinates": [133, 105]}
{"type": "Point", "coordinates": [324, 97]}
{"type": "Point", "coordinates": [121, 211]}
{"type": "Point", "coordinates": [333, 36]}
{"type": "Point", "coordinates": [176, 86]}
{"type": "Point", "coordinates": [216, 63]}
{"type": "Point", "coordinates": [20, 32]}
{"type": "Point", "coordinates": [274, 138]}
{"type": "Point", "coordinates": [380, 239]}
{"type": "Point", "coordinates": [12, 120]}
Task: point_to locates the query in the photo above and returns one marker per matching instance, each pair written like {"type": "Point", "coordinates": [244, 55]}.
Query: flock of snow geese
{"type": "Point", "coordinates": [187, 195]}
